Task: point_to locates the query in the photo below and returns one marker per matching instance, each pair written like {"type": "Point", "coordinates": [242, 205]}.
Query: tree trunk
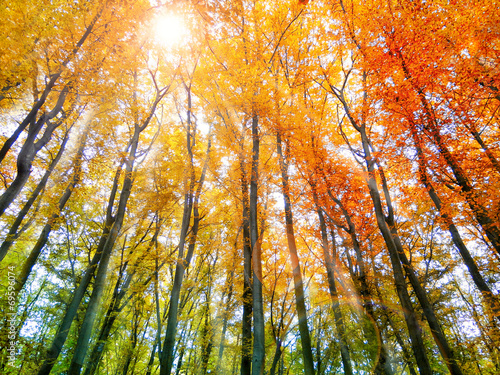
{"type": "Point", "coordinates": [305, 337]}
{"type": "Point", "coordinates": [372, 329]}
{"type": "Point", "coordinates": [246, 324]}
{"type": "Point", "coordinates": [259, 351]}
{"type": "Point", "coordinates": [30, 149]}
{"type": "Point", "coordinates": [489, 297]}
{"type": "Point", "coordinates": [436, 329]}
{"type": "Point", "coordinates": [226, 312]}
{"type": "Point", "coordinates": [114, 308]}
{"type": "Point", "coordinates": [133, 342]}
{"type": "Point", "coordinates": [399, 279]}
{"type": "Point", "coordinates": [44, 236]}
{"type": "Point", "coordinates": [206, 336]}
{"type": "Point", "coordinates": [330, 267]}
{"type": "Point", "coordinates": [14, 231]}
{"type": "Point", "coordinates": [48, 89]}
{"type": "Point", "coordinates": [385, 312]}
{"type": "Point", "coordinates": [431, 125]}
{"type": "Point", "coordinates": [100, 280]}
{"type": "Point", "coordinates": [71, 311]}
{"type": "Point", "coordinates": [63, 330]}
{"type": "Point", "coordinates": [190, 205]}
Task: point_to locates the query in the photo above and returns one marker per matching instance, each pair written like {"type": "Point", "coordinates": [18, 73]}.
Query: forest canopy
{"type": "Point", "coordinates": [250, 187]}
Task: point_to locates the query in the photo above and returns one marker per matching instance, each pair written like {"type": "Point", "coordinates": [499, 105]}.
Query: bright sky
{"type": "Point", "coordinates": [170, 29]}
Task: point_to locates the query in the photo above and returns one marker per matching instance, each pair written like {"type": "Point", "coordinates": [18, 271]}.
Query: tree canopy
{"type": "Point", "coordinates": [250, 187]}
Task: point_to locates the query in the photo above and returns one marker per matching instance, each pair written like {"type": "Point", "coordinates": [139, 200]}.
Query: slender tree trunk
{"type": "Point", "coordinates": [14, 231]}
{"type": "Point", "coordinates": [431, 125]}
{"type": "Point", "coordinates": [100, 280]}
{"type": "Point", "coordinates": [279, 332]}
{"type": "Point", "coordinates": [114, 308]}
{"type": "Point", "coordinates": [30, 150]}
{"type": "Point", "coordinates": [411, 320]}
{"type": "Point", "coordinates": [151, 361]}
{"type": "Point", "coordinates": [259, 351]}
{"type": "Point", "coordinates": [385, 312]}
{"type": "Point", "coordinates": [206, 336]}
{"type": "Point", "coordinates": [330, 267]}
{"type": "Point", "coordinates": [63, 330]}
{"type": "Point", "coordinates": [31, 117]}
{"type": "Point", "coordinates": [225, 313]}
{"type": "Point", "coordinates": [277, 355]}
{"type": "Point", "coordinates": [490, 299]}
{"type": "Point", "coordinates": [477, 136]}
{"type": "Point", "coordinates": [436, 329]}
{"type": "Point", "coordinates": [399, 279]}
{"type": "Point", "coordinates": [30, 262]}
{"type": "Point", "coordinates": [190, 205]}
{"type": "Point", "coordinates": [372, 329]}
{"type": "Point", "coordinates": [246, 325]}
{"type": "Point", "coordinates": [71, 311]}
{"type": "Point", "coordinates": [305, 337]}
{"type": "Point", "coordinates": [133, 343]}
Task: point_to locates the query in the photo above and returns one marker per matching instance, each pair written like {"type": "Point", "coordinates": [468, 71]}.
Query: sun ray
{"type": "Point", "coordinates": [170, 30]}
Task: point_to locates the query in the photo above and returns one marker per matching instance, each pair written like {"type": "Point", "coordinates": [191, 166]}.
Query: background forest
{"type": "Point", "coordinates": [250, 187]}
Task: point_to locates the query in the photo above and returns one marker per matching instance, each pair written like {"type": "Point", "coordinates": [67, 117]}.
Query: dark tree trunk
{"type": "Point", "coordinates": [259, 351]}
{"type": "Point", "coordinates": [44, 236]}
{"type": "Point", "coordinates": [14, 231]}
{"type": "Point", "coordinates": [414, 328]}
{"type": "Point", "coordinates": [70, 313]}
{"type": "Point", "coordinates": [226, 312]}
{"type": "Point", "coordinates": [330, 272]}
{"type": "Point", "coordinates": [431, 125]}
{"type": "Point", "coordinates": [100, 280]}
{"type": "Point", "coordinates": [190, 205]}
{"type": "Point", "coordinates": [489, 297]}
{"type": "Point", "coordinates": [114, 308]}
{"type": "Point", "coordinates": [48, 89]}
{"type": "Point", "coordinates": [305, 337]}
{"type": "Point", "coordinates": [436, 329]}
{"type": "Point", "coordinates": [29, 151]}
{"type": "Point", "coordinates": [246, 326]}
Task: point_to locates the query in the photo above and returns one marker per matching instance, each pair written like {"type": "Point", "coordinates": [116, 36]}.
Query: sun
{"type": "Point", "coordinates": [170, 29]}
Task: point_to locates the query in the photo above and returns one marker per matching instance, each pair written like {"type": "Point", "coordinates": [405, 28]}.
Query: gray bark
{"type": "Point", "coordinates": [190, 206]}
{"type": "Point", "coordinates": [14, 231]}
{"type": "Point", "coordinates": [259, 352]}
{"type": "Point", "coordinates": [305, 337]}
{"type": "Point", "coordinates": [48, 89]}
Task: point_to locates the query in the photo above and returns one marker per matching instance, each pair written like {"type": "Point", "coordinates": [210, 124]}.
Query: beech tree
{"type": "Point", "coordinates": [249, 187]}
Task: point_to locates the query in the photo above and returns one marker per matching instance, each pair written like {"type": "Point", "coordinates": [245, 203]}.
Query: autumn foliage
{"type": "Point", "coordinates": [250, 187]}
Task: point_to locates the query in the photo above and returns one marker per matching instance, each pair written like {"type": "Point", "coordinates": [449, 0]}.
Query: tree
{"type": "Point", "coordinates": [153, 190]}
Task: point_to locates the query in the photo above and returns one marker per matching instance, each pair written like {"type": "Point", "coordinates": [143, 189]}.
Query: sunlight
{"type": "Point", "coordinates": [170, 30]}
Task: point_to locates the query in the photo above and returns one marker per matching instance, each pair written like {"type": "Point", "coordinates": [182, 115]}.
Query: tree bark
{"type": "Point", "coordinates": [190, 205]}
{"type": "Point", "coordinates": [246, 324]}
{"type": "Point", "coordinates": [100, 280]}
{"type": "Point", "coordinates": [431, 125]}
{"type": "Point", "coordinates": [259, 351]}
{"type": "Point", "coordinates": [399, 279]}
{"type": "Point", "coordinates": [30, 262]}
{"type": "Point", "coordinates": [226, 312]}
{"type": "Point", "coordinates": [14, 231]}
{"type": "Point", "coordinates": [115, 307]}
{"type": "Point", "coordinates": [29, 151]}
{"type": "Point", "coordinates": [48, 89]}
{"type": "Point", "coordinates": [490, 299]}
{"type": "Point", "coordinates": [63, 330]}
{"type": "Point", "coordinates": [330, 272]}
{"type": "Point", "coordinates": [305, 337]}
{"type": "Point", "coordinates": [436, 329]}
{"type": "Point", "coordinates": [383, 365]}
